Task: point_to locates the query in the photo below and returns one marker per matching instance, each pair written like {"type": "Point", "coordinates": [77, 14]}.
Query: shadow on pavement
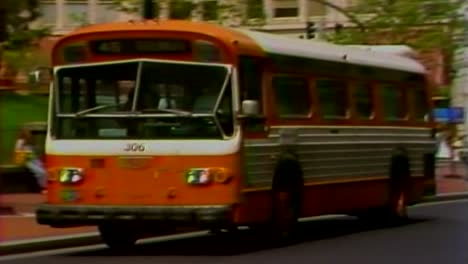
{"type": "Point", "coordinates": [245, 241]}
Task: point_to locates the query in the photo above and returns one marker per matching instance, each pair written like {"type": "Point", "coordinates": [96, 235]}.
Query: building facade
{"type": "Point", "coordinates": [287, 17]}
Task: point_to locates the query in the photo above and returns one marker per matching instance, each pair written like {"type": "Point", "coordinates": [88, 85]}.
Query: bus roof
{"type": "Point", "coordinates": [268, 43]}
{"type": "Point", "coordinates": [277, 44]}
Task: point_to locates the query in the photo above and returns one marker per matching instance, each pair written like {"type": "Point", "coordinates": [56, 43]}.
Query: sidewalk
{"type": "Point", "coordinates": [22, 223]}
{"type": "Point", "coordinates": [451, 178]}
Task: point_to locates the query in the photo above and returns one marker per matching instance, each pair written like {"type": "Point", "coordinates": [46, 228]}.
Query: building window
{"type": "Point", "coordinates": [286, 12]}
{"type": "Point", "coordinates": [394, 102]}
{"type": "Point", "coordinates": [292, 96]}
{"type": "Point", "coordinates": [333, 97]}
{"type": "Point", "coordinates": [255, 9]}
{"type": "Point", "coordinates": [180, 9]}
{"type": "Point", "coordinates": [362, 96]}
{"type": "Point", "coordinates": [285, 8]}
{"type": "Point", "coordinates": [48, 11]}
{"type": "Point", "coordinates": [210, 10]}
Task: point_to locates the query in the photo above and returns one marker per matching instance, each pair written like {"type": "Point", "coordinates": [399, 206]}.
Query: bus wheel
{"type": "Point", "coordinates": [285, 215]}
{"type": "Point", "coordinates": [397, 210]}
{"type": "Point", "coordinates": [117, 237]}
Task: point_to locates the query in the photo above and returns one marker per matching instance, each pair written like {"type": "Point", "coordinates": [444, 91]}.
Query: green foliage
{"type": "Point", "coordinates": [19, 17]}
{"type": "Point", "coordinates": [16, 110]}
{"type": "Point", "coordinates": [18, 49]}
{"type": "Point", "coordinates": [421, 24]}
{"type": "Point", "coordinates": [25, 59]}
{"type": "Point", "coordinates": [127, 6]}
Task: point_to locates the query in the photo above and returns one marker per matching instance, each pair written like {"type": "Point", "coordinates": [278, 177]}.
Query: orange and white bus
{"type": "Point", "coordinates": [179, 123]}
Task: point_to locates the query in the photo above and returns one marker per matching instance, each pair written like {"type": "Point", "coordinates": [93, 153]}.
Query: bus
{"type": "Point", "coordinates": [175, 123]}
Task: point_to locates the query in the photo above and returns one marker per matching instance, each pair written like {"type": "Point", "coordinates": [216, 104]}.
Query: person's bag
{"type": "Point", "coordinates": [22, 156]}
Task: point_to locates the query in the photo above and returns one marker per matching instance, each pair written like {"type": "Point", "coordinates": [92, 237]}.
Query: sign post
{"type": "Point", "coordinates": [450, 116]}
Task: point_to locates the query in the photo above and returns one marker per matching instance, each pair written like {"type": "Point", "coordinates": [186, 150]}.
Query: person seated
{"type": "Point", "coordinates": [26, 156]}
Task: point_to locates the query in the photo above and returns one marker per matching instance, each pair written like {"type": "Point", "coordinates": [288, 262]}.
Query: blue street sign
{"type": "Point", "coordinates": [449, 115]}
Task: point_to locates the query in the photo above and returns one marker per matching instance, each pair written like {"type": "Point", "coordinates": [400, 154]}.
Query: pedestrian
{"type": "Point", "coordinates": [27, 156]}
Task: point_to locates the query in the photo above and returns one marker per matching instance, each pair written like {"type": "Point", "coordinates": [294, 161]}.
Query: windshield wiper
{"type": "Point", "coordinates": [93, 109]}
{"type": "Point", "coordinates": [177, 112]}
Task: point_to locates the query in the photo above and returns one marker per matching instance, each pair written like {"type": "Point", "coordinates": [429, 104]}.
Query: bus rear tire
{"type": "Point", "coordinates": [395, 210]}
{"type": "Point", "coordinates": [117, 237]}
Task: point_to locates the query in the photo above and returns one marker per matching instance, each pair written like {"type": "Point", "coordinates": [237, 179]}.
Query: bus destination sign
{"type": "Point", "coordinates": [139, 46]}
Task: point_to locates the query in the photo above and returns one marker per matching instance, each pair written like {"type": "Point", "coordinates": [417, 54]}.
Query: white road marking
{"type": "Point", "coordinates": [20, 215]}
{"type": "Point", "coordinates": [102, 246]}
{"type": "Point", "coordinates": [438, 203]}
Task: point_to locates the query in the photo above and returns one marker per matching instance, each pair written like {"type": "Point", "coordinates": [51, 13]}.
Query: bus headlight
{"type": "Point", "coordinates": [201, 176]}
{"type": "Point", "coordinates": [71, 175]}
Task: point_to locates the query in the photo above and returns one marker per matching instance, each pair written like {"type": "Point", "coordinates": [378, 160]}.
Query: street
{"type": "Point", "coordinates": [436, 233]}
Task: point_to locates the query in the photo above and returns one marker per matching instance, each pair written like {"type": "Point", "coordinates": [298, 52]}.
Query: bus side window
{"type": "Point", "coordinates": [420, 104]}
{"type": "Point", "coordinates": [250, 79]}
{"type": "Point", "coordinates": [333, 98]}
{"type": "Point", "coordinates": [292, 96]}
{"type": "Point", "coordinates": [394, 102]}
{"type": "Point", "coordinates": [362, 97]}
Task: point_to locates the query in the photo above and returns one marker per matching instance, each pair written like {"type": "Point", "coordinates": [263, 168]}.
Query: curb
{"type": "Point", "coordinates": [445, 197]}
{"type": "Point", "coordinates": [42, 244]}
{"type": "Point", "coordinates": [69, 241]}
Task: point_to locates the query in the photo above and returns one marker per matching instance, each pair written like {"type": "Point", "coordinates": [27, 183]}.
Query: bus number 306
{"type": "Point", "coordinates": [134, 147]}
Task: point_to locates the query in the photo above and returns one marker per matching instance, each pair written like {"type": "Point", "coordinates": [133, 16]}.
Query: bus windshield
{"type": "Point", "coordinates": [143, 100]}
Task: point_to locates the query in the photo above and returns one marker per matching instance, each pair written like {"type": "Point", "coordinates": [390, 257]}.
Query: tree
{"type": "Point", "coordinates": [21, 35]}
{"type": "Point", "coordinates": [421, 24]}
{"type": "Point", "coordinates": [20, 25]}
{"type": "Point", "coordinates": [425, 25]}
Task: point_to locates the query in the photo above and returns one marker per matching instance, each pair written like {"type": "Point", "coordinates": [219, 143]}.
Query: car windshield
{"type": "Point", "coordinates": [144, 99]}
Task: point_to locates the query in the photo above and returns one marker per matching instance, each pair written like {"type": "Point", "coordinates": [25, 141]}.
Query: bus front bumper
{"type": "Point", "coordinates": [68, 215]}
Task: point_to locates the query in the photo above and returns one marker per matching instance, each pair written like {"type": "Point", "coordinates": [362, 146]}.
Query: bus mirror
{"type": "Point", "coordinates": [250, 108]}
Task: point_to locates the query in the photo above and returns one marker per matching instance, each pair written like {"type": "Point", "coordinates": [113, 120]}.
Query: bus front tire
{"type": "Point", "coordinates": [117, 238]}
{"type": "Point", "coordinates": [286, 202]}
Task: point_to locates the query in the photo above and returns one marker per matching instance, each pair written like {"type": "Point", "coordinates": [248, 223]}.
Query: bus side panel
{"type": "Point", "coordinates": [342, 173]}
{"type": "Point", "coordinates": [319, 199]}
{"type": "Point", "coordinates": [339, 197]}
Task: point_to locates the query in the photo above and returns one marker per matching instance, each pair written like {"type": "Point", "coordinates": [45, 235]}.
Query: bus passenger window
{"type": "Point", "coordinates": [292, 96]}
{"type": "Point", "coordinates": [333, 97]}
{"type": "Point", "coordinates": [362, 96]}
{"type": "Point", "coordinates": [420, 104]}
{"type": "Point", "coordinates": [250, 79]}
{"type": "Point", "coordinates": [394, 104]}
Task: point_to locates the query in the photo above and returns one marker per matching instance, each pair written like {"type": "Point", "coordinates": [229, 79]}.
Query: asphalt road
{"type": "Point", "coordinates": [437, 233]}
